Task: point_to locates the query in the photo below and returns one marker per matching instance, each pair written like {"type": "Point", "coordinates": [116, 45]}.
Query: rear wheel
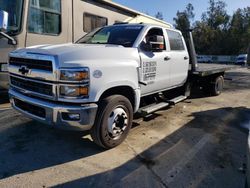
{"type": "Point", "coordinates": [217, 86]}
{"type": "Point", "coordinates": [213, 86]}
{"type": "Point", "coordinates": [113, 121]}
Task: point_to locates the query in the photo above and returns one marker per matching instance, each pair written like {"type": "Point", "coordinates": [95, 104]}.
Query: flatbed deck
{"type": "Point", "coordinates": [206, 69]}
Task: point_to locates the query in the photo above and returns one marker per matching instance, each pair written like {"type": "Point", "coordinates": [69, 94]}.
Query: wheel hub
{"type": "Point", "coordinates": [117, 122]}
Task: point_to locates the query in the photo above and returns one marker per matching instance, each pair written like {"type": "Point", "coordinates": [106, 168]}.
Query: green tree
{"type": "Point", "coordinates": [183, 19]}
{"type": "Point", "coordinates": [190, 11]}
{"type": "Point", "coordinates": [216, 16]}
{"type": "Point", "coordinates": [159, 16]}
{"type": "Point", "coordinates": [217, 33]}
{"type": "Point", "coordinates": [211, 32]}
{"type": "Point", "coordinates": [239, 31]}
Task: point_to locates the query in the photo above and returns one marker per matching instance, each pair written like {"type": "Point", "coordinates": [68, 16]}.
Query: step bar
{"type": "Point", "coordinates": [177, 100]}
{"type": "Point", "coordinates": [144, 111]}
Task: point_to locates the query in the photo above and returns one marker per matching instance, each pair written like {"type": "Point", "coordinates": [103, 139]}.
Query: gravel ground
{"type": "Point", "coordinates": [200, 142]}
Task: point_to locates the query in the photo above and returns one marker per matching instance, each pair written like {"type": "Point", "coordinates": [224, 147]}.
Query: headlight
{"type": "Point", "coordinates": [74, 75]}
{"type": "Point", "coordinates": [74, 91]}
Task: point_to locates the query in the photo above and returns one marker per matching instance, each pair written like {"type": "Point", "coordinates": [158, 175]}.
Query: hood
{"type": "Point", "coordinates": [70, 55]}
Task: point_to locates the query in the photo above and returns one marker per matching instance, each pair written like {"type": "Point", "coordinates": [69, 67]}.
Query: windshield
{"type": "Point", "coordinates": [124, 35]}
{"type": "Point", "coordinates": [14, 8]}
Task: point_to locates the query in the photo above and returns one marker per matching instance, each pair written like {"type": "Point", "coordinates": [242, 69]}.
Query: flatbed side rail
{"type": "Point", "coordinates": [211, 69]}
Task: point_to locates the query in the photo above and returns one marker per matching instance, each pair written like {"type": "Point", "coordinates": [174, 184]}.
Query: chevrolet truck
{"type": "Point", "coordinates": [100, 81]}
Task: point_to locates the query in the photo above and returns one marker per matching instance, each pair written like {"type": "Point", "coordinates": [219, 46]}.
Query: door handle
{"type": "Point", "coordinates": [167, 58]}
{"type": "Point", "coordinates": [186, 58]}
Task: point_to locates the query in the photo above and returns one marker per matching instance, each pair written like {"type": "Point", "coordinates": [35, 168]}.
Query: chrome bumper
{"type": "Point", "coordinates": [53, 112]}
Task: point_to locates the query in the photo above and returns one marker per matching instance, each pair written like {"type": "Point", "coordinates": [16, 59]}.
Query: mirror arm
{"type": "Point", "coordinates": [13, 41]}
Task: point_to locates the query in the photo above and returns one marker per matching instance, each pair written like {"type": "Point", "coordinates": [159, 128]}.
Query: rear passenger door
{"type": "Point", "coordinates": [178, 58]}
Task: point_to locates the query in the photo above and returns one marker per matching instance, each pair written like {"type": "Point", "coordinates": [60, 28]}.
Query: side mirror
{"type": "Point", "coordinates": [3, 20]}
{"type": "Point", "coordinates": [146, 46]}
{"type": "Point", "coordinates": [156, 42]}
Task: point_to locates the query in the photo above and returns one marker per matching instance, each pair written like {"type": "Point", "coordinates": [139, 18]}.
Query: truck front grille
{"type": "Point", "coordinates": [32, 63]}
{"type": "Point", "coordinates": [37, 87]}
{"type": "Point", "coordinates": [31, 109]}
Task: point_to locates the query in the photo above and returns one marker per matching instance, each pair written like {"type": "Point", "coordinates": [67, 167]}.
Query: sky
{"type": "Point", "coordinates": [170, 7]}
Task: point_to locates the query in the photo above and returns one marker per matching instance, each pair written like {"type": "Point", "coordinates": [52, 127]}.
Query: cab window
{"type": "Point", "coordinates": [45, 17]}
{"type": "Point", "coordinates": [175, 41]}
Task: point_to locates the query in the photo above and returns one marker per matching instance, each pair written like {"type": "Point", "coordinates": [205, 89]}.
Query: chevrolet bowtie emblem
{"type": "Point", "coordinates": [23, 70]}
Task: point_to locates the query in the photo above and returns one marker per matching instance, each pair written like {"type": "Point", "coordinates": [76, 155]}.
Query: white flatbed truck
{"type": "Point", "coordinates": [100, 81]}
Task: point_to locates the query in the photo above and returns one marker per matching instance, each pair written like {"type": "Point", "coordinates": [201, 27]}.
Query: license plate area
{"type": "Point", "coordinates": [30, 108]}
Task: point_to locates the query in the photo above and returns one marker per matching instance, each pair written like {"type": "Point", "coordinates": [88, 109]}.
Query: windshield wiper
{"type": "Point", "coordinates": [11, 39]}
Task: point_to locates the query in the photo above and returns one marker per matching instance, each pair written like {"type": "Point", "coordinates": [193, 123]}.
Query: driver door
{"type": "Point", "coordinates": [155, 69]}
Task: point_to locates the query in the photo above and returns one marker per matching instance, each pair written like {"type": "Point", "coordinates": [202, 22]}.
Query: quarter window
{"type": "Point", "coordinates": [45, 17]}
{"type": "Point", "coordinates": [91, 22]}
{"type": "Point", "coordinates": [175, 40]}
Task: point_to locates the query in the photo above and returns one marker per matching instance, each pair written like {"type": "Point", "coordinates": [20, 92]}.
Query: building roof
{"type": "Point", "coordinates": [131, 11]}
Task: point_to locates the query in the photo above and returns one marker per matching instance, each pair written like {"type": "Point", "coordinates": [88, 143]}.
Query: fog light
{"type": "Point", "coordinates": [70, 117]}
{"type": "Point", "coordinates": [74, 116]}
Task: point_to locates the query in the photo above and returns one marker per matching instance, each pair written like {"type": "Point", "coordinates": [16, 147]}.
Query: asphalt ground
{"type": "Point", "coordinates": [201, 142]}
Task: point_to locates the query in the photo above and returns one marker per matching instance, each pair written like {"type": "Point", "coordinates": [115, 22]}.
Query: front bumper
{"type": "Point", "coordinates": [54, 112]}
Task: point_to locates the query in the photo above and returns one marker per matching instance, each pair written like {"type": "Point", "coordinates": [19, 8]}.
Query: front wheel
{"type": "Point", "coordinates": [113, 121]}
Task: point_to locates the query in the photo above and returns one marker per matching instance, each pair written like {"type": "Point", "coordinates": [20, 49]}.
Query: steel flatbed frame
{"type": "Point", "coordinates": [207, 69]}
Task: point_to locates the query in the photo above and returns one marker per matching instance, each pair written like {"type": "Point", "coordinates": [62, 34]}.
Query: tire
{"type": "Point", "coordinates": [217, 86]}
{"type": "Point", "coordinates": [113, 121]}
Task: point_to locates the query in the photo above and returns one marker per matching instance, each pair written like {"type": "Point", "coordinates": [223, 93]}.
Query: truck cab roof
{"type": "Point", "coordinates": [145, 25]}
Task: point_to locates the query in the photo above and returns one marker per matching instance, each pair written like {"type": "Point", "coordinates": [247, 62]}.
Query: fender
{"type": "Point", "coordinates": [126, 83]}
